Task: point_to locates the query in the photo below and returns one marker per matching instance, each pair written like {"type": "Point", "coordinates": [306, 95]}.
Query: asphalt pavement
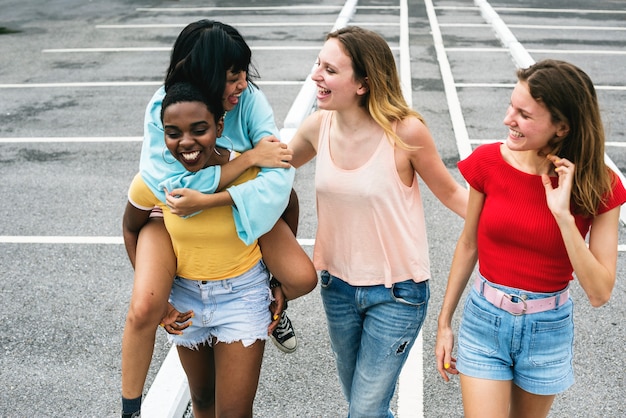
{"type": "Point", "coordinates": [75, 77]}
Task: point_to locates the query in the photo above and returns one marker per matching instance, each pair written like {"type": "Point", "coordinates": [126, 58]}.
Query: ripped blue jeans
{"type": "Point", "coordinates": [372, 330]}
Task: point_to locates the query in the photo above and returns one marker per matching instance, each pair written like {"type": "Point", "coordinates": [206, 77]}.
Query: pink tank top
{"type": "Point", "coordinates": [371, 228]}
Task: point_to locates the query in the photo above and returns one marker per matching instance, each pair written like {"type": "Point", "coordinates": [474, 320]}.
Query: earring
{"type": "Point", "coordinates": [163, 156]}
{"type": "Point", "coordinates": [229, 140]}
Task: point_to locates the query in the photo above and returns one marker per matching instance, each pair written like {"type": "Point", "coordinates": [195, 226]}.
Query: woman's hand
{"type": "Point", "coordinates": [558, 198]}
{"type": "Point", "coordinates": [184, 202]}
{"type": "Point", "coordinates": [175, 322]}
{"type": "Point", "coordinates": [269, 152]}
{"type": "Point", "coordinates": [276, 308]}
{"type": "Point", "coordinates": [446, 364]}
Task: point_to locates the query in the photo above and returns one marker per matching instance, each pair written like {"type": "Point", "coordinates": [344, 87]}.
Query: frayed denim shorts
{"type": "Point", "coordinates": [235, 309]}
{"type": "Point", "coordinates": [534, 351]}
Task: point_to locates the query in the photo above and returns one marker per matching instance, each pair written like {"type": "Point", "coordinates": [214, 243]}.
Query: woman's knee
{"type": "Point", "coordinates": [203, 400]}
{"type": "Point", "coordinates": [145, 312]}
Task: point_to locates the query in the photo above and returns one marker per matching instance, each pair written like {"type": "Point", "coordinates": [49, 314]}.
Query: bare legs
{"type": "Point", "coordinates": [235, 367]}
{"type": "Point", "coordinates": [501, 398]}
{"type": "Point", "coordinates": [155, 267]}
{"type": "Point", "coordinates": [285, 258]}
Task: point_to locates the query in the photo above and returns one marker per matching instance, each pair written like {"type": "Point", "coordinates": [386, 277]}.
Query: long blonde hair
{"type": "Point", "coordinates": [374, 65]}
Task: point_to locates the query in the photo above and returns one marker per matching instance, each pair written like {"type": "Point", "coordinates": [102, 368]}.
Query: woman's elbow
{"type": "Point", "coordinates": [599, 300]}
{"type": "Point", "coordinates": [600, 296]}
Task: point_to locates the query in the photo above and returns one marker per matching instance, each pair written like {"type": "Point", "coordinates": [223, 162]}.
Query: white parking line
{"type": "Point", "coordinates": [238, 25]}
{"type": "Point", "coordinates": [168, 49]}
{"type": "Point", "coordinates": [536, 10]}
{"type": "Point", "coordinates": [546, 27]}
{"type": "Point", "coordinates": [259, 8]}
{"type": "Point", "coordinates": [126, 84]}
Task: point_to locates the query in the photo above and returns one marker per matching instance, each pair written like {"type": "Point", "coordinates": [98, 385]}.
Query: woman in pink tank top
{"type": "Point", "coordinates": [371, 243]}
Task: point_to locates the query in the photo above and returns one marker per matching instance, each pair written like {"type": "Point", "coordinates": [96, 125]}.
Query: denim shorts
{"type": "Point", "coordinates": [235, 309]}
{"type": "Point", "coordinates": [534, 351]}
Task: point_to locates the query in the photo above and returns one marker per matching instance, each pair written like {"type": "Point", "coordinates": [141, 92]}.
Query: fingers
{"type": "Point", "coordinates": [270, 138]}
{"type": "Point", "coordinates": [183, 317]}
{"type": "Point", "coordinates": [274, 323]}
{"type": "Point", "coordinates": [276, 309]}
{"type": "Point", "coordinates": [446, 367]}
{"type": "Point", "coordinates": [175, 328]}
{"type": "Point", "coordinates": [174, 322]}
{"type": "Point", "coordinates": [562, 165]}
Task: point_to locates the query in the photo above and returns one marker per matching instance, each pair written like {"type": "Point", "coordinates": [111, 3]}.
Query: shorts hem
{"type": "Point", "coordinates": [548, 389]}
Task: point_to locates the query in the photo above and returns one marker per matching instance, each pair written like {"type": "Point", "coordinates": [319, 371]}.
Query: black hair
{"type": "Point", "coordinates": [202, 54]}
{"type": "Point", "coordinates": [188, 92]}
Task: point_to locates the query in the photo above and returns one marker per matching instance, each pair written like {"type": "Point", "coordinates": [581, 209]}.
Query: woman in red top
{"type": "Point", "coordinates": [533, 200]}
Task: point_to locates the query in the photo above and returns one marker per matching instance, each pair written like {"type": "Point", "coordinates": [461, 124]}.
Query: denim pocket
{"type": "Point", "coordinates": [551, 342]}
{"type": "Point", "coordinates": [479, 329]}
{"type": "Point", "coordinates": [411, 293]}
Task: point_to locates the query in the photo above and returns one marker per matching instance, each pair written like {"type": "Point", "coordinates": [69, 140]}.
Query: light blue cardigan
{"type": "Point", "coordinates": [258, 203]}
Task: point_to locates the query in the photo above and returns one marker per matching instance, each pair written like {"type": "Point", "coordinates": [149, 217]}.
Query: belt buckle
{"type": "Point", "coordinates": [524, 308]}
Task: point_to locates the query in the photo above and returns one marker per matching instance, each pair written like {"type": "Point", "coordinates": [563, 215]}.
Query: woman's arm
{"type": "Point", "coordinates": [425, 160]}
{"type": "Point", "coordinates": [258, 203]}
{"type": "Point", "coordinates": [269, 152]}
{"type": "Point", "coordinates": [134, 219]}
{"type": "Point", "coordinates": [305, 140]}
{"type": "Point", "coordinates": [463, 263]}
{"type": "Point", "coordinates": [595, 265]}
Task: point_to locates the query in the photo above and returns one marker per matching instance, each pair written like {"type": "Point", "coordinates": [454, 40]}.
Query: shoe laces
{"type": "Point", "coordinates": [283, 327]}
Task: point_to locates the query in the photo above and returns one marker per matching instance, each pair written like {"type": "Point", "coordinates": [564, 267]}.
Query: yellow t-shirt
{"type": "Point", "coordinates": [206, 245]}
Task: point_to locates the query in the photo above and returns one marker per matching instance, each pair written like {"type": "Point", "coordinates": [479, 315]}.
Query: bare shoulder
{"type": "Point", "coordinates": [309, 129]}
{"type": "Point", "coordinates": [414, 132]}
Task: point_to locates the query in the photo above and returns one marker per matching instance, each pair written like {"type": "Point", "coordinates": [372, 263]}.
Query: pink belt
{"type": "Point", "coordinates": [521, 306]}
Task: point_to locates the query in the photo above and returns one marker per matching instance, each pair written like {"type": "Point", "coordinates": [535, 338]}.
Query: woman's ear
{"type": "Point", "coordinates": [220, 126]}
{"type": "Point", "coordinates": [364, 87]}
{"type": "Point", "coordinates": [562, 130]}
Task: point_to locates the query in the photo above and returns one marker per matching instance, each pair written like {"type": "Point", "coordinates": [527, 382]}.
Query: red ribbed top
{"type": "Point", "coordinates": [519, 242]}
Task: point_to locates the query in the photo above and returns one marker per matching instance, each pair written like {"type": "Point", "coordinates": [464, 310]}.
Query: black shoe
{"type": "Point", "coordinates": [135, 414]}
{"type": "Point", "coordinates": [284, 336]}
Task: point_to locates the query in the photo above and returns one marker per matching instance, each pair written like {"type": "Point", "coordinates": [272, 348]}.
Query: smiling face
{"type": "Point", "coordinates": [236, 83]}
{"type": "Point", "coordinates": [190, 133]}
{"type": "Point", "coordinates": [334, 76]}
{"type": "Point", "coordinates": [530, 123]}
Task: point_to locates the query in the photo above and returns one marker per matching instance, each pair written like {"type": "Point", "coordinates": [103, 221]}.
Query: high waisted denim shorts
{"type": "Point", "coordinates": [235, 309]}
{"type": "Point", "coordinates": [534, 350]}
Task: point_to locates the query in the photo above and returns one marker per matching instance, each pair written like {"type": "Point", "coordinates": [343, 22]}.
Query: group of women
{"type": "Point", "coordinates": [212, 213]}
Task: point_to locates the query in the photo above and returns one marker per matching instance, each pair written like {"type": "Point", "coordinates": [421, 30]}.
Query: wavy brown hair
{"type": "Point", "coordinates": [570, 97]}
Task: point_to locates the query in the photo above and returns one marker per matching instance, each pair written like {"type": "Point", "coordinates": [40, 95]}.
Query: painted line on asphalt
{"type": "Point", "coordinates": [536, 10]}
{"type": "Point", "coordinates": [411, 380]}
{"type": "Point", "coordinates": [258, 8]}
{"type": "Point", "coordinates": [544, 51]}
{"type": "Point", "coordinates": [27, 140]}
{"type": "Point", "coordinates": [92, 84]}
{"type": "Point", "coordinates": [477, 141]}
{"type": "Point", "coordinates": [67, 239]}
{"type": "Point", "coordinates": [168, 49]}
{"type": "Point", "coordinates": [102, 240]}
{"type": "Point", "coordinates": [454, 105]}
{"type": "Point", "coordinates": [510, 86]}
{"type": "Point", "coordinates": [235, 24]}
{"type": "Point", "coordinates": [546, 27]}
